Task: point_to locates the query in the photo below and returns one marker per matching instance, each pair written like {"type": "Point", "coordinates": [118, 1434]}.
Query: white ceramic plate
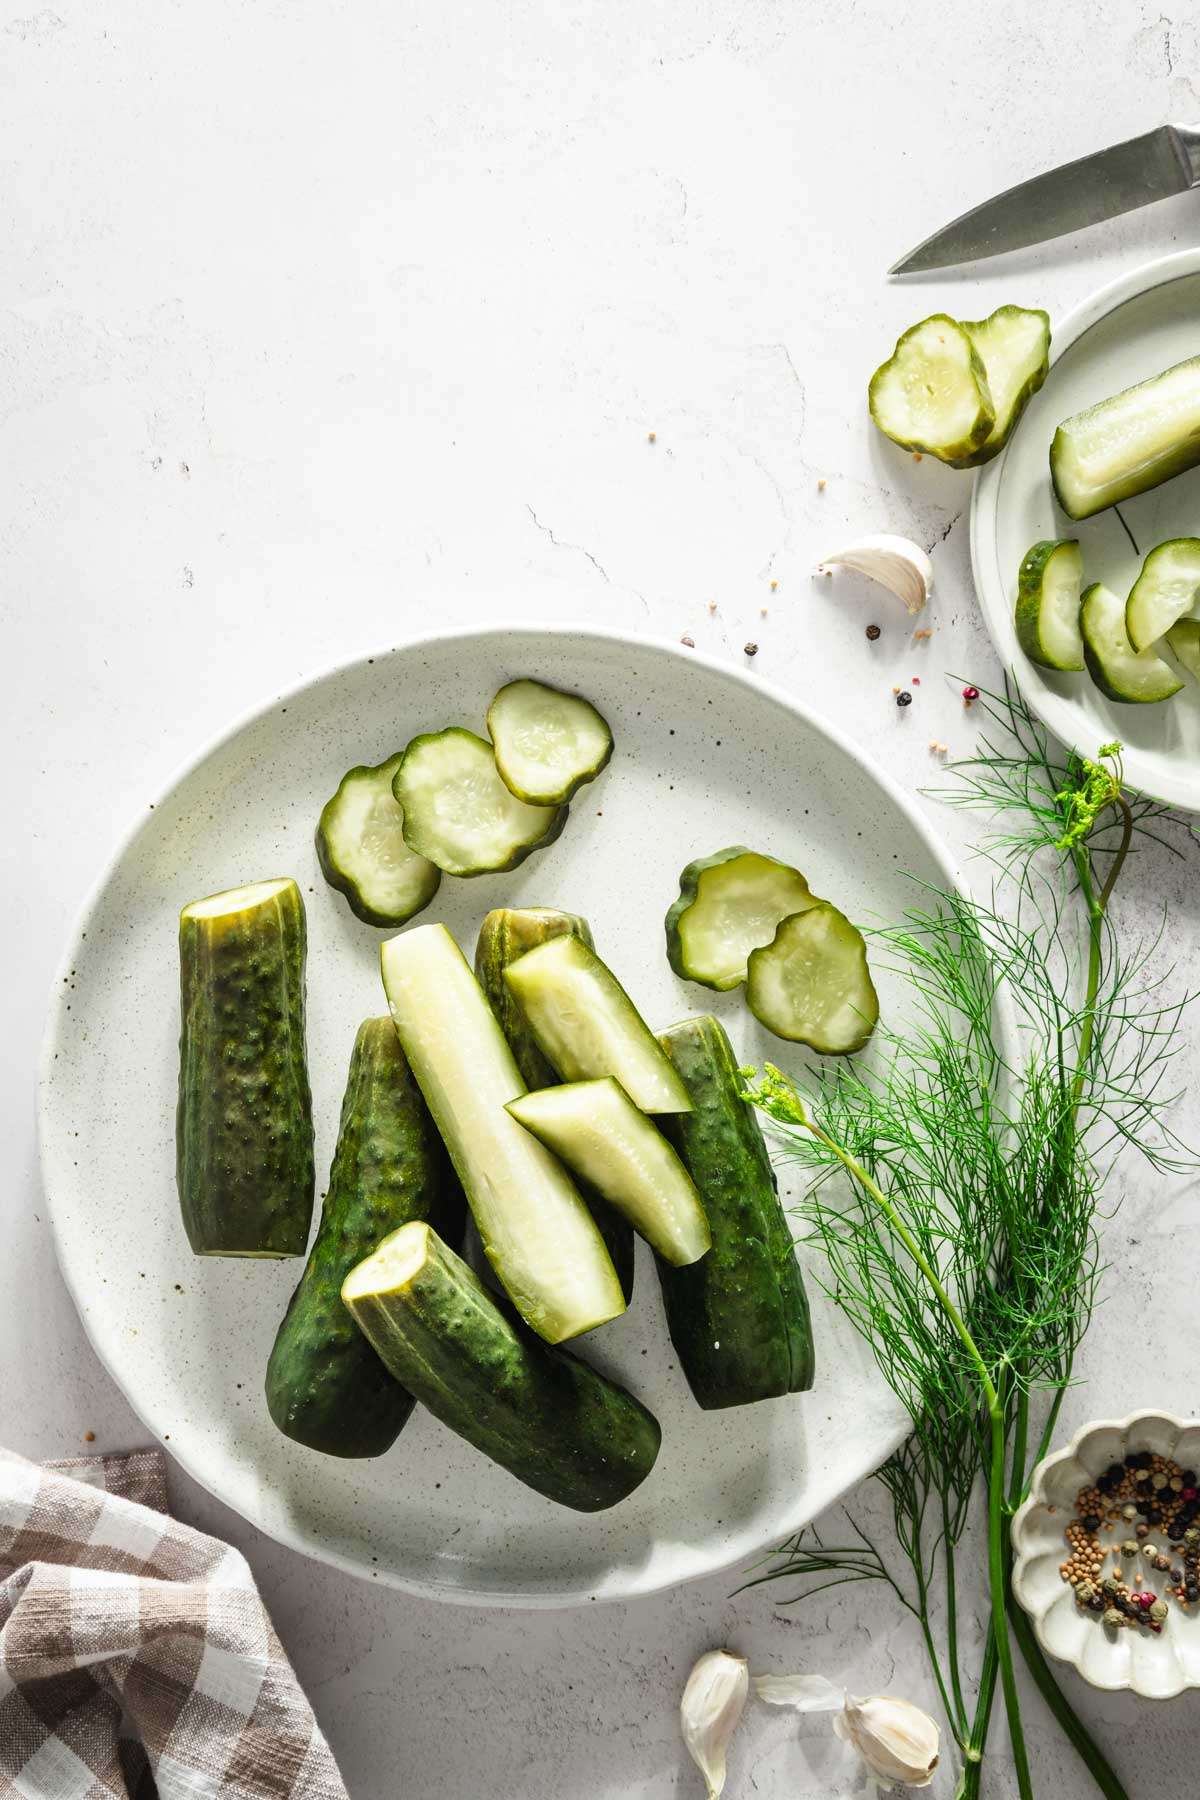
{"type": "Point", "coordinates": [1159, 1667]}
{"type": "Point", "coordinates": [704, 757]}
{"type": "Point", "coordinates": [1132, 329]}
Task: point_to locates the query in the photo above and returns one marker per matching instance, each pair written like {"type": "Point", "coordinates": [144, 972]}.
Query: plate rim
{"type": "Point", "coordinates": [1055, 711]}
{"type": "Point", "coordinates": [304, 1543]}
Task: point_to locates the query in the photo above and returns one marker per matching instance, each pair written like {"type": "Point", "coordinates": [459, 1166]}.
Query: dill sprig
{"type": "Point", "coordinates": [954, 1183]}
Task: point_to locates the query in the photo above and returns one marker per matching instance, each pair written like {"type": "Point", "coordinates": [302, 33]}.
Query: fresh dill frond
{"type": "Point", "coordinates": [956, 1177]}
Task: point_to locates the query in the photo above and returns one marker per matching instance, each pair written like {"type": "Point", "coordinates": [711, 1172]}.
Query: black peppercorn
{"type": "Point", "coordinates": [1091, 1522]}
{"type": "Point", "coordinates": [1190, 1478]}
{"type": "Point", "coordinates": [873, 632]}
{"type": "Point", "coordinates": [1114, 1472]}
{"type": "Point", "coordinates": [904, 698]}
{"type": "Point", "coordinates": [1153, 1515]}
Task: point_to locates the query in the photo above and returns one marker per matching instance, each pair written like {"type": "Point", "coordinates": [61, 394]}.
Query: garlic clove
{"type": "Point", "coordinates": [895, 563]}
{"type": "Point", "coordinates": [896, 1740]}
{"type": "Point", "coordinates": [712, 1703]}
{"type": "Point", "coordinates": [807, 1693]}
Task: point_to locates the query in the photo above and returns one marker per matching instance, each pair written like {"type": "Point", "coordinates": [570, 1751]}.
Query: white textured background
{"type": "Point", "coordinates": [321, 322]}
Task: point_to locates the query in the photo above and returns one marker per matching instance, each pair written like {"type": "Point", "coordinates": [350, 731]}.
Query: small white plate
{"type": "Point", "coordinates": [1157, 1668]}
{"type": "Point", "coordinates": [1132, 329]}
{"type": "Point", "coordinates": [704, 757]}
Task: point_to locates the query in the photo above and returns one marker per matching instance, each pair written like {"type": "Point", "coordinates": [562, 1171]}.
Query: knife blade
{"type": "Point", "coordinates": [1118, 180]}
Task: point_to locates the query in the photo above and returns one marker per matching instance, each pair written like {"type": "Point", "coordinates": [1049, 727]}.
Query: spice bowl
{"type": "Point", "coordinates": [1067, 1543]}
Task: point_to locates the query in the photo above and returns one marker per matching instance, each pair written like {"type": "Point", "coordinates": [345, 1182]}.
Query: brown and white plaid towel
{"type": "Point", "coordinates": [112, 1611]}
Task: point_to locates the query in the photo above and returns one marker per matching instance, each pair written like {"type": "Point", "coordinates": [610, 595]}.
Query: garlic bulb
{"type": "Point", "coordinates": [709, 1711]}
{"type": "Point", "coordinates": [896, 1740]}
{"type": "Point", "coordinates": [895, 562]}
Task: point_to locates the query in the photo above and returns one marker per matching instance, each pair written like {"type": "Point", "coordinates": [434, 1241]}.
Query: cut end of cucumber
{"type": "Point", "coordinates": [610, 1144]}
{"type": "Point", "coordinates": [1167, 588]}
{"type": "Point", "coordinates": [1047, 611]}
{"type": "Point", "coordinates": [1118, 670]}
{"type": "Point", "coordinates": [812, 984]}
{"type": "Point", "coordinates": [1183, 640]}
{"type": "Point", "coordinates": [1128, 443]}
{"type": "Point", "coordinates": [239, 899]}
{"type": "Point", "coordinates": [547, 743]}
{"type": "Point", "coordinates": [932, 393]}
{"type": "Point", "coordinates": [729, 904]}
{"type": "Point", "coordinates": [587, 1026]}
{"type": "Point", "coordinates": [391, 1265]}
{"type": "Point", "coordinates": [1014, 343]}
{"type": "Point", "coordinates": [363, 853]}
{"type": "Point", "coordinates": [458, 812]}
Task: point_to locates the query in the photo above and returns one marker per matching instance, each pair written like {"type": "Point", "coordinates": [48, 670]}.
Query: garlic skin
{"type": "Point", "coordinates": [895, 563]}
{"type": "Point", "coordinates": [897, 1741]}
{"type": "Point", "coordinates": [712, 1703]}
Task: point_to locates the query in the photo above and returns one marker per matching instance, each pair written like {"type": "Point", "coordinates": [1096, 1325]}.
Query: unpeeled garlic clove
{"type": "Point", "coordinates": [895, 563]}
{"type": "Point", "coordinates": [897, 1741]}
{"type": "Point", "coordinates": [712, 1703]}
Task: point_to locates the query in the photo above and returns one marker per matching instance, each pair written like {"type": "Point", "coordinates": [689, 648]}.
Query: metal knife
{"type": "Point", "coordinates": [1113, 181]}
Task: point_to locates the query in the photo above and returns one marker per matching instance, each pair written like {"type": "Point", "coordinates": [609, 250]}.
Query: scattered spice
{"type": "Point", "coordinates": [762, 612]}
{"type": "Point", "coordinates": [89, 1437]}
{"type": "Point", "coordinates": [924, 633]}
{"type": "Point", "coordinates": [820, 484]}
{"type": "Point", "coordinates": [903, 699]}
{"type": "Point", "coordinates": [652, 437]}
{"type": "Point", "coordinates": [916, 680]}
{"type": "Point", "coordinates": [749, 649]}
{"type": "Point", "coordinates": [873, 632]}
{"type": "Point", "coordinates": [689, 641]}
{"type": "Point", "coordinates": [917, 457]}
{"type": "Point", "coordinates": [970, 694]}
{"type": "Point", "coordinates": [712, 606]}
{"type": "Point", "coordinates": [774, 586]}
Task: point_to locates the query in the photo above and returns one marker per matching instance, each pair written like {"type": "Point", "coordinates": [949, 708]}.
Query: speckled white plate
{"type": "Point", "coordinates": [704, 757]}
{"type": "Point", "coordinates": [1157, 1668]}
{"type": "Point", "coordinates": [1127, 331]}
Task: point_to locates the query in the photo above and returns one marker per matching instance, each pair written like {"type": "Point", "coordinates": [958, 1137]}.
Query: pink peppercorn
{"type": "Point", "coordinates": [970, 693]}
{"type": "Point", "coordinates": [1146, 1601]}
{"type": "Point", "coordinates": [1188, 1494]}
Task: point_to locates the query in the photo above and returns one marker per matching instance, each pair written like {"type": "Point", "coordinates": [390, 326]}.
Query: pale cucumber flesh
{"type": "Point", "coordinates": [363, 853]}
{"type": "Point", "coordinates": [1014, 343]}
{"type": "Point", "coordinates": [1118, 670]}
{"type": "Point", "coordinates": [729, 905]}
{"type": "Point", "coordinates": [587, 1026]}
{"type": "Point", "coordinates": [1183, 639]}
{"type": "Point", "coordinates": [1047, 612]}
{"type": "Point", "coordinates": [606, 1141]}
{"type": "Point", "coordinates": [547, 743]}
{"type": "Point", "coordinates": [1167, 588]}
{"type": "Point", "coordinates": [458, 812]}
{"type": "Point", "coordinates": [932, 395]}
{"type": "Point", "coordinates": [536, 1231]}
{"type": "Point", "coordinates": [1128, 443]}
{"type": "Point", "coordinates": [812, 985]}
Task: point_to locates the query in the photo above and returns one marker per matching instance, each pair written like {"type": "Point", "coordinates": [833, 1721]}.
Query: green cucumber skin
{"type": "Point", "coordinates": [747, 1295]}
{"type": "Point", "coordinates": [996, 441]}
{"type": "Point", "coordinates": [244, 1131]}
{"type": "Point", "coordinates": [325, 1386]}
{"type": "Point", "coordinates": [558, 1425]}
{"type": "Point", "coordinates": [344, 883]}
{"type": "Point", "coordinates": [955, 456]}
{"type": "Point", "coordinates": [1027, 614]}
{"type": "Point", "coordinates": [506, 934]}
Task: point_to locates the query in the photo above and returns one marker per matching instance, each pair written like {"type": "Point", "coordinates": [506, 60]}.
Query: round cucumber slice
{"type": "Point", "coordinates": [932, 393]}
{"type": "Point", "coordinates": [729, 904]}
{"type": "Point", "coordinates": [1047, 615]}
{"type": "Point", "coordinates": [811, 984]}
{"type": "Point", "coordinates": [458, 812]}
{"type": "Point", "coordinates": [547, 743]}
{"type": "Point", "coordinates": [1183, 640]}
{"type": "Point", "coordinates": [1014, 343]}
{"type": "Point", "coordinates": [1166, 589]}
{"type": "Point", "coordinates": [1118, 670]}
{"type": "Point", "coordinates": [362, 852]}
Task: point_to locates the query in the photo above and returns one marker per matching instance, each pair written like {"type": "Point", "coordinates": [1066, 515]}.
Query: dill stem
{"type": "Point", "coordinates": [998, 1460]}
{"type": "Point", "coordinates": [952, 1620]}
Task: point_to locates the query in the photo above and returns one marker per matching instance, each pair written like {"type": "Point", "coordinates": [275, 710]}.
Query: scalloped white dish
{"type": "Point", "coordinates": [1157, 1668]}
{"type": "Point", "coordinates": [1131, 329]}
{"type": "Point", "coordinates": [704, 756]}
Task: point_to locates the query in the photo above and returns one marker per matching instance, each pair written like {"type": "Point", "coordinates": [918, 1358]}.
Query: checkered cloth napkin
{"type": "Point", "coordinates": [114, 1618]}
